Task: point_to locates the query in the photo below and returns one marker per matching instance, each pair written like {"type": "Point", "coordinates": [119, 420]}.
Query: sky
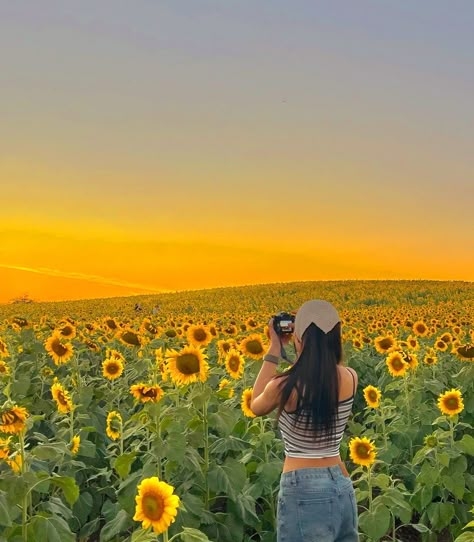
{"type": "Point", "coordinates": [154, 146]}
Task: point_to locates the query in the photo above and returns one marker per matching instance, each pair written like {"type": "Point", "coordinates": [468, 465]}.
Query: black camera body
{"type": "Point", "coordinates": [282, 323]}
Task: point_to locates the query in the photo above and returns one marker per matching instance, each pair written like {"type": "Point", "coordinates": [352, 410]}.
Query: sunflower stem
{"type": "Point", "coordinates": [206, 453]}
{"type": "Point", "coordinates": [71, 423]}
{"type": "Point", "coordinates": [165, 536]}
{"type": "Point", "coordinates": [407, 400]}
{"type": "Point", "coordinates": [369, 484]}
{"type": "Point", "coordinates": [158, 432]}
{"type": "Point", "coordinates": [265, 452]}
{"type": "Point", "coordinates": [121, 438]}
{"type": "Point", "coordinates": [24, 509]}
{"type": "Point", "coordinates": [451, 431]}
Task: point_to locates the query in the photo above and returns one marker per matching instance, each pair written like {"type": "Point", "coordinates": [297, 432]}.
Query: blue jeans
{"type": "Point", "coordinates": [316, 505]}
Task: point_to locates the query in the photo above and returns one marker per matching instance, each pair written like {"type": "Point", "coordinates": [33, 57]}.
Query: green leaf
{"type": "Point", "coordinates": [5, 518]}
{"type": "Point", "coordinates": [87, 449]}
{"type": "Point", "coordinates": [269, 473]}
{"type": "Point", "coordinates": [466, 444]}
{"type": "Point", "coordinates": [426, 496]}
{"type": "Point", "coordinates": [120, 523]}
{"type": "Point", "coordinates": [69, 487]}
{"type": "Point", "coordinates": [83, 507]}
{"type": "Point", "coordinates": [123, 463]}
{"type": "Point", "coordinates": [140, 535]}
{"type": "Point", "coordinates": [440, 514]}
{"type": "Point", "coordinates": [420, 527]}
{"type": "Point", "coordinates": [427, 475]}
{"type": "Point", "coordinates": [465, 537]}
{"type": "Point", "coordinates": [228, 478]}
{"type": "Point", "coordinates": [49, 452]}
{"type": "Point", "coordinates": [224, 420]}
{"type": "Point", "coordinates": [443, 458]}
{"type": "Point", "coordinates": [193, 535]}
{"type": "Point", "coordinates": [381, 480]}
{"type": "Point", "coordinates": [455, 484]}
{"type": "Point", "coordinates": [193, 504]}
{"type": "Point", "coordinates": [43, 528]}
{"type": "Point", "coordinates": [376, 523]}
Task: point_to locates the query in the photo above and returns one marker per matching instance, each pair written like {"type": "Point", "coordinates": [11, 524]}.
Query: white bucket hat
{"type": "Point", "coordinates": [318, 312]}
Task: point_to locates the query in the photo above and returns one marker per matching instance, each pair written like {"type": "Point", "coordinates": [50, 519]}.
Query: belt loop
{"type": "Point", "coordinates": [330, 469]}
{"type": "Point", "coordinates": [293, 477]}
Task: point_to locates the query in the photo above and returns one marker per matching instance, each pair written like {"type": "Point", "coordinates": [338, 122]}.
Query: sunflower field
{"type": "Point", "coordinates": [119, 424]}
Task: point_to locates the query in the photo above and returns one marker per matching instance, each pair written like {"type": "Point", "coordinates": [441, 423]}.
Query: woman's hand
{"type": "Point", "coordinates": [277, 341]}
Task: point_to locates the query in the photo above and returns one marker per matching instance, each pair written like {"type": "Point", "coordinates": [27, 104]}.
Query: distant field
{"type": "Point", "coordinates": [100, 395]}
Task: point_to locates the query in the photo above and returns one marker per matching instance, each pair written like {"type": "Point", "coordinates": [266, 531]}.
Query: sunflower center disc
{"type": "Point", "coordinates": [153, 506]}
{"type": "Point", "coordinates": [187, 364]}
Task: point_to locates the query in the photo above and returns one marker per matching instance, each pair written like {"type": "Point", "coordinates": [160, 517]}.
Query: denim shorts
{"type": "Point", "coordinates": [316, 505]}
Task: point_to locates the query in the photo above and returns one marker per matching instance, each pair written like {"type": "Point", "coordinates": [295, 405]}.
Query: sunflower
{"type": "Point", "coordinates": [76, 442]}
{"type": "Point", "coordinates": [156, 505]}
{"type": "Point", "coordinates": [357, 343]}
{"type": "Point", "coordinates": [129, 337]}
{"type": "Point", "coordinates": [187, 366]}
{"type": "Point", "coordinates": [372, 396]}
{"type": "Point", "coordinates": [412, 343]}
{"type": "Point", "coordinates": [430, 357]}
{"type": "Point", "coordinates": [3, 349]}
{"type": "Point", "coordinates": [251, 322]}
{"type": "Point", "coordinates": [162, 365]}
{"type": "Point", "coordinates": [4, 369]}
{"type": "Point", "coordinates": [225, 345]}
{"type": "Point", "coordinates": [231, 329]}
{"type": "Point", "coordinates": [146, 392]}
{"type": "Point", "coordinates": [4, 448]}
{"type": "Point", "coordinates": [253, 346]}
{"type": "Point", "coordinates": [384, 344]}
{"type": "Point", "coordinates": [15, 462]}
{"type": "Point", "coordinates": [112, 368]}
{"type": "Point", "coordinates": [114, 425]}
{"type": "Point", "coordinates": [465, 351]}
{"type": "Point", "coordinates": [62, 397]}
{"type": "Point", "coordinates": [198, 335]}
{"type": "Point", "coordinates": [170, 333]}
{"type": "Point", "coordinates": [362, 451]}
{"type": "Point", "coordinates": [397, 366]}
{"type": "Point", "coordinates": [234, 363]}
{"type": "Point", "coordinates": [60, 352]}
{"type": "Point", "coordinates": [148, 327]}
{"type": "Point", "coordinates": [225, 386]}
{"type": "Point", "coordinates": [450, 402]}
{"type": "Point", "coordinates": [13, 419]}
{"type": "Point", "coordinates": [245, 403]}
{"type": "Point", "coordinates": [420, 329]}
{"type": "Point", "coordinates": [446, 338]}
{"type": "Point", "coordinates": [110, 324]}
{"type": "Point", "coordinates": [67, 330]}
{"type": "Point", "coordinates": [430, 441]}
{"type": "Point", "coordinates": [440, 345]}
{"type": "Point", "coordinates": [91, 345]}
{"type": "Point", "coordinates": [411, 359]}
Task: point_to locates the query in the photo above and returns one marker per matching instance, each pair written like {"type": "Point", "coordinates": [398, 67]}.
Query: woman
{"type": "Point", "coordinates": [316, 501]}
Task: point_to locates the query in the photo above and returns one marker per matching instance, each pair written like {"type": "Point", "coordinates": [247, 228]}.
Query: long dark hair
{"type": "Point", "coordinates": [315, 378]}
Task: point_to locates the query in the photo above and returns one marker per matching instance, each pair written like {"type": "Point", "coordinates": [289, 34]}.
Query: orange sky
{"type": "Point", "coordinates": [170, 147]}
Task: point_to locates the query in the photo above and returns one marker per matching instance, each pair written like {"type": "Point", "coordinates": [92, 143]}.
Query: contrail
{"type": "Point", "coordinates": [82, 276]}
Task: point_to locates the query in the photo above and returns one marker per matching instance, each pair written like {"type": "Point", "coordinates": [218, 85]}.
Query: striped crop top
{"type": "Point", "coordinates": [300, 442]}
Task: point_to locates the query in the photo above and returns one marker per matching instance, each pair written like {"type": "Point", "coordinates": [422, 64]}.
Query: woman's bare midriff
{"type": "Point", "coordinates": [294, 463]}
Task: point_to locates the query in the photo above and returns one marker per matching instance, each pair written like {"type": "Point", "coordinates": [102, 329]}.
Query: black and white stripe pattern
{"type": "Point", "coordinates": [300, 442]}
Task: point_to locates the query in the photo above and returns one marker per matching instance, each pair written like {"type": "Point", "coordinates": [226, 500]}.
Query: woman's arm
{"type": "Point", "coordinates": [265, 396]}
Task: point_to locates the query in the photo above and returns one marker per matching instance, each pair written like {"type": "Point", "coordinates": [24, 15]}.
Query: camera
{"type": "Point", "coordinates": [282, 323]}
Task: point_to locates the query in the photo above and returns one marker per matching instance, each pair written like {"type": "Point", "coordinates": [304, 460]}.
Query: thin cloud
{"type": "Point", "coordinates": [82, 276]}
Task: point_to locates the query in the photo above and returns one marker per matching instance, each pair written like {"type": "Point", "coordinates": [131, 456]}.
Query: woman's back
{"type": "Point", "coordinates": [299, 438]}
